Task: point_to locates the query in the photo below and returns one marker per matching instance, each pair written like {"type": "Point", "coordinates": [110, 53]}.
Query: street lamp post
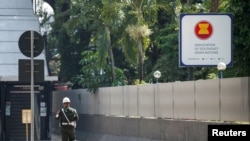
{"type": "Point", "coordinates": [157, 75]}
{"type": "Point", "coordinates": [221, 67]}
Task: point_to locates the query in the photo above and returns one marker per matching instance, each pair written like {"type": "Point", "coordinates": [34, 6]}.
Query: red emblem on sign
{"type": "Point", "coordinates": [203, 30]}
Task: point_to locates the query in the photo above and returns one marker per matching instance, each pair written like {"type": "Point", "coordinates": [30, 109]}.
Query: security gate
{"type": "Point", "coordinates": [15, 98]}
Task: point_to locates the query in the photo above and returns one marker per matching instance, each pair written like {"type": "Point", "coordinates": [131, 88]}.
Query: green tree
{"type": "Point", "coordinates": [93, 78]}
{"type": "Point", "coordinates": [163, 52]}
{"type": "Point", "coordinates": [100, 18]}
{"type": "Point", "coordinates": [241, 45]}
{"type": "Point", "coordinates": [109, 26]}
{"type": "Point", "coordinates": [164, 46]}
{"type": "Point", "coordinates": [143, 14]}
{"type": "Point", "coordinates": [110, 19]}
{"type": "Point", "coordinates": [68, 38]}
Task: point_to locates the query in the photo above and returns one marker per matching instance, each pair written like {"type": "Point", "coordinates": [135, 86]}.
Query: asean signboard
{"type": "Point", "coordinates": [205, 39]}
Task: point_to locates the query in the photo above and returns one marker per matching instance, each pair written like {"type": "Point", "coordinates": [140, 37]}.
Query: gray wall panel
{"type": "Point", "coordinates": [116, 101]}
{"type": "Point", "coordinates": [207, 99]}
{"type": "Point", "coordinates": [235, 99]}
{"type": "Point", "coordinates": [132, 94]}
{"type": "Point", "coordinates": [184, 106]}
{"type": "Point", "coordinates": [193, 100]}
{"type": "Point", "coordinates": [104, 100]}
{"type": "Point", "coordinates": [164, 100]}
{"type": "Point", "coordinates": [146, 100]}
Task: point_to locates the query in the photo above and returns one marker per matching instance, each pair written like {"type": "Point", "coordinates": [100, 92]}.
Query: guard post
{"type": "Point", "coordinates": [26, 119]}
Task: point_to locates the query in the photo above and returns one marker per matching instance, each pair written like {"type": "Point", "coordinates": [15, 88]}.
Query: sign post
{"type": "Point", "coordinates": [32, 83]}
{"type": "Point", "coordinates": [31, 44]}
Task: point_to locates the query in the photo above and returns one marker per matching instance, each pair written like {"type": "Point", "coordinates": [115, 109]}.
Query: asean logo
{"type": "Point", "coordinates": [203, 30]}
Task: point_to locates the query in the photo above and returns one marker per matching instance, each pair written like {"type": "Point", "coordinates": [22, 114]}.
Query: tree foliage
{"type": "Point", "coordinates": [104, 42]}
{"type": "Point", "coordinates": [241, 36]}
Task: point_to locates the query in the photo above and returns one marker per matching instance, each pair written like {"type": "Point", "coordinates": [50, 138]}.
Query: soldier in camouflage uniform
{"type": "Point", "coordinates": [67, 117]}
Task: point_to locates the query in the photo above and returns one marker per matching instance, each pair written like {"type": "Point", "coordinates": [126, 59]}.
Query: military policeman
{"type": "Point", "coordinates": [68, 117]}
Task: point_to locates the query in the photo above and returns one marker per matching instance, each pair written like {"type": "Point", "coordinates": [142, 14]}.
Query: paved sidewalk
{"type": "Point", "coordinates": [55, 137]}
{"type": "Point", "coordinates": [100, 137]}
